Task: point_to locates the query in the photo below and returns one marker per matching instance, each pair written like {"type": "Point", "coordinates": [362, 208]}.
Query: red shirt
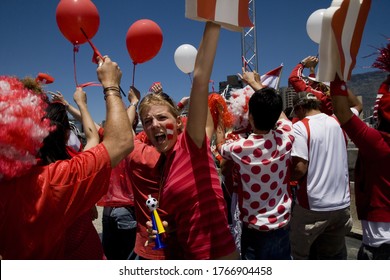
{"type": "Point", "coordinates": [120, 191]}
{"type": "Point", "coordinates": [143, 167]}
{"type": "Point", "coordinates": [372, 176]}
{"type": "Point", "coordinates": [82, 241]}
{"type": "Point", "coordinates": [36, 209]}
{"type": "Point", "coordinates": [193, 199]}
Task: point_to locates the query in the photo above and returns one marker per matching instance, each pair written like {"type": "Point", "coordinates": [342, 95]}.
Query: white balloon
{"type": "Point", "coordinates": [185, 56]}
{"type": "Point", "coordinates": [314, 25]}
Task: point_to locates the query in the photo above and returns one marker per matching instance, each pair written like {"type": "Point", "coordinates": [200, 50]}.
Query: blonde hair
{"type": "Point", "coordinates": [153, 99]}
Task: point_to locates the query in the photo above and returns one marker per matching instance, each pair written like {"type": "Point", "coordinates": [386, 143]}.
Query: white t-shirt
{"type": "Point", "coordinates": [74, 142]}
{"type": "Point", "coordinates": [327, 175]}
{"type": "Point", "coordinates": [263, 161]}
{"type": "Point", "coordinates": [375, 233]}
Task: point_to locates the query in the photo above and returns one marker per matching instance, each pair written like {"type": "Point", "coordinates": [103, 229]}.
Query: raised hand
{"type": "Point", "coordinates": [79, 96]}
{"type": "Point", "coordinates": [58, 97]}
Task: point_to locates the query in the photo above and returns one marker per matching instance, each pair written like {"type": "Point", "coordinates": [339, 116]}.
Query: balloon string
{"type": "Point", "coordinates": [133, 73]}
{"type": "Point", "coordinates": [75, 49]}
{"type": "Point", "coordinates": [95, 84]}
{"type": "Point", "coordinates": [96, 52]}
{"type": "Point", "coordinates": [189, 75]}
{"type": "Point", "coordinates": [95, 55]}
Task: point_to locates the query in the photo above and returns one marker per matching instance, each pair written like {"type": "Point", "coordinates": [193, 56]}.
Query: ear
{"type": "Point", "coordinates": [180, 124]}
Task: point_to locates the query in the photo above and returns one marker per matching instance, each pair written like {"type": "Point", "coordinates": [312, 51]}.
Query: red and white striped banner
{"type": "Point", "coordinates": [342, 29]}
{"type": "Point", "coordinates": [230, 14]}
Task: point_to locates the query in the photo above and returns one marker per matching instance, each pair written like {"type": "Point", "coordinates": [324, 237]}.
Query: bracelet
{"type": "Point", "coordinates": [180, 105]}
{"type": "Point", "coordinates": [110, 88]}
{"type": "Point", "coordinates": [112, 93]}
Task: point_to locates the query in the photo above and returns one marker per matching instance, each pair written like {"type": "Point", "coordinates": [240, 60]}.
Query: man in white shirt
{"type": "Point", "coordinates": [321, 217]}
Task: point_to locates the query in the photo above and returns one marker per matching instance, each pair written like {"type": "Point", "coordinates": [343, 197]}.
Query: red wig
{"type": "Point", "coordinates": [23, 127]}
{"type": "Point", "coordinates": [219, 111]}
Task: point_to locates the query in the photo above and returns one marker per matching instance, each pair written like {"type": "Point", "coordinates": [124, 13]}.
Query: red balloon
{"type": "Point", "coordinates": [143, 40]}
{"type": "Point", "coordinates": [74, 15]}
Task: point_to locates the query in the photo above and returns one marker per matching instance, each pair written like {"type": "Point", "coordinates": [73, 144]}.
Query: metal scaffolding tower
{"type": "Point", "coordinates": [248, 39]}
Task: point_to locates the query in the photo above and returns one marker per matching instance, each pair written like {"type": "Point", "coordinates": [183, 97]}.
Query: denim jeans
{"type": "Point", "coordinates": [265, 245]}
{"type": "Point", "coordinates": [119, 231]}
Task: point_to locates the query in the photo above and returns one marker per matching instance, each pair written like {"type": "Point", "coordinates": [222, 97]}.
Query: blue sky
{"type": "Point", "coordinates": [31, 42]}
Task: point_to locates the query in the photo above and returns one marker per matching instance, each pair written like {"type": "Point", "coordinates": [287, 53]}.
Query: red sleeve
{"type": "Point", "coordinates": [371, 142]}
{"type": "Point", "coordinates": [296, 81]}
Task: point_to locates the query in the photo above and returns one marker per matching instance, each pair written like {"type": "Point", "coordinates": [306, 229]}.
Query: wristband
{"type": "Point", "coordinates": [338, 88]}
{"type": "Point", "coordinates": [219, 157]}
{"type": "Point", "coordinates": [180, 105]}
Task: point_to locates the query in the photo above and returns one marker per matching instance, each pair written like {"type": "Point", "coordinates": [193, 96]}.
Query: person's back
{"type": "Point", "coordinates": [321, 216]}
{"type": "Point", "coordinates": [322, 143]}
{"type": "Point", "coordinates": [263, 159]}
{"type": "Point", "coordinates": [39, 201]}
{"type": "Point", "coordinates": [34, 214]}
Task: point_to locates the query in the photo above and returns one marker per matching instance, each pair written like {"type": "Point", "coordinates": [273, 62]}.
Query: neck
{"type": "Point", "coordinates": [312, 113]}
{"type": "Point", "coordinates": [256, 131]}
